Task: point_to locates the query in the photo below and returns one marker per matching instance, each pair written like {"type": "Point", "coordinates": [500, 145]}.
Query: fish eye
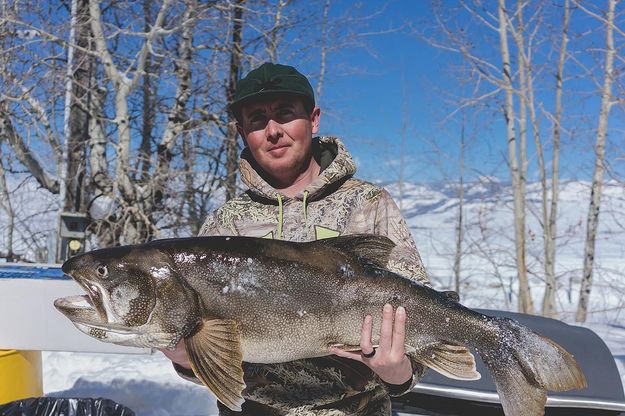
{"type": "Point", "coordinates": [102, 270]}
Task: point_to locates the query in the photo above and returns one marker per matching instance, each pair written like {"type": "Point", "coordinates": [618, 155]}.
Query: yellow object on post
{"type": "Point", "coordinates": [20, 375]}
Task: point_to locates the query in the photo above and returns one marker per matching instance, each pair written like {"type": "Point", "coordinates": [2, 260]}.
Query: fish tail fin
{"type": "Point", "coordinates": [524, 365]}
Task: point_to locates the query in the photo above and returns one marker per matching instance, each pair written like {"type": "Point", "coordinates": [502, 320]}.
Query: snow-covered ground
{"type": "Point", "coordinates": [148, 384]}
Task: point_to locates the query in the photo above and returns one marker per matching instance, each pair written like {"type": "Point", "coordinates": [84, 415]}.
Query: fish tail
{"type": "Point", "coordinates": [525, 364]}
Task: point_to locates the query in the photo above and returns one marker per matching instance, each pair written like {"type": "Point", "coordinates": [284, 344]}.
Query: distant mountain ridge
{"type": "Point", "coordinates": [488, 256]}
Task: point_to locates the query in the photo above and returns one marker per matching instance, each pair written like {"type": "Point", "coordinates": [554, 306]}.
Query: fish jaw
{"type": "Point", "coordinates": [79, 308]}
{"type": "Point", "coordinates": [87, 319]}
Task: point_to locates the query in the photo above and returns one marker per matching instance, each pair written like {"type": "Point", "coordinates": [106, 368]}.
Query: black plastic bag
{"type": "Point", "coordinates": [59, 406]}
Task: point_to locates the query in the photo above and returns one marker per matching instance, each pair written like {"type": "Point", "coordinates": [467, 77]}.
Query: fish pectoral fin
{"type": "Point", "coordinates": [453, 361]}
{"type": "Point", "coordinates": [216, 359]}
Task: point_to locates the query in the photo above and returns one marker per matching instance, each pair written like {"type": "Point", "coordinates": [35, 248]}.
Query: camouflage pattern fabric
{"type": "Point", "coordinates": [334, 204]}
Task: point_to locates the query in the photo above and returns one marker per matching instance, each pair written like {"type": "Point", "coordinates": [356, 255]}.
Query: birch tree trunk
{"type": "Point", "coordinates": [324, 50]}
{"type": "Point", "coordinates": [177, 116]}
{"type": "Point", "coordinates": [525, 299]}
{"type": "Point", "coordinates": [460, 218]}
{"type": "Point", "coordinates": [520, 191]}
{"type": "Point", "coordinates": [78, 123]}
{"type": "Point", "coordinates": [134, 221]}
{"type": "Point", "coordinates": [232, 142]}
{"type": "Point", "coordinates": [550, 210]}
{"type": "Point", "coordinates": [7, 207]}
{"type": "Point", "coordinates": [550, 229]}
{"type": "Point", "coordinates": [528, 99]}
{"type": "Point", "coordinates": [272, 43]}
{"type": "Point", "coordinates": [592, 223]}
{"type": "Point", "coordinates": [149, 103]}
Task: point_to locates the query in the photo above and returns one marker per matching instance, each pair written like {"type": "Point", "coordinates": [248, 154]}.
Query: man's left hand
{"type": "Point", "coordinates": [388, 360]}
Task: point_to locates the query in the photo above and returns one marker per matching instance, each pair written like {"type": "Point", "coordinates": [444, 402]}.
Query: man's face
{"type": "Point", "coordinates": [278, 132]}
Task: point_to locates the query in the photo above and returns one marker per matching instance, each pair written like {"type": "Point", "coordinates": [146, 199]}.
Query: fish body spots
{"type": "Point", "coordinates": [160, 273]}
{"type": "Point", "coordinates": [301, 313]}
{"type": "Point", "coordinates": [97, 333]}
{"type": "Point", "coordinates": [376, 272]}
{"type": "Point", "coordinates": [346, 271]}
{"type": "Point", "coordinates": [124, 299]}
{"type": "Point", "coordinates": [185, 257]}
{"type": "Point", "coordinates": [245, 282]}
{"type": "Point", "coordinates": [395, 300]}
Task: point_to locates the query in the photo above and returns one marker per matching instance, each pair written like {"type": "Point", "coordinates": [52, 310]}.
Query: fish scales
{"type": "Point", "coordinates": [235, 299]}
{"type": "Point", "coordinates": [297, 304]}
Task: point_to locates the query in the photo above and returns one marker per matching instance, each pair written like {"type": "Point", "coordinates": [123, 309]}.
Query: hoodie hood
{"type": "Point", "coordinates": [335, 161]}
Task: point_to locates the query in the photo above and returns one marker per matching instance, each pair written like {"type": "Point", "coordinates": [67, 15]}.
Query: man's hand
{"type": "Point", "coordinates": [178, 356]}
{"type": "Point", "coordinates": [388, 360]}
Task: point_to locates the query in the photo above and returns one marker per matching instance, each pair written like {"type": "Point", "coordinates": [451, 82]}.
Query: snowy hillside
{"type": "Point", "coordinates": [488, 269]}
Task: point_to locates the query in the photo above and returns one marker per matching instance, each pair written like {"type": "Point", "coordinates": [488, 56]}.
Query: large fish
{"type": "Point", "coordinates": [235, 299]}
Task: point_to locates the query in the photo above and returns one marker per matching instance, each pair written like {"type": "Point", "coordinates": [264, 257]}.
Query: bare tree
{"type": "Point", "coordinates": [324, 49]}
{"type": "Point", "coordinates": [607, 101]}
{"type": "Point", "coordinates": [151, 149]}
{"type": "Point", "coordinates": [549, 221]}
{"type": "Point", "coordinates": [528, 100]}
{"type": "Point", "coordinates": [232, 141]}
{"type": "Point", "coordinates": [550, 213]}
{"type": "Point", "coordinates": [526, 304]}
{"type": "Point", "coordinates": [81, 65]}
{"type": "Point", "coordinates": [494, 80]}
{"type": "Point", "coordinates": [460, 217]}
{"type": "Point", "coordinates": [7, 207]}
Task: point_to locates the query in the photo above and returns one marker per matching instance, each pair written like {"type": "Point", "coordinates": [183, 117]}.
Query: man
{"type": "Point", "coordinates": [301, 189]}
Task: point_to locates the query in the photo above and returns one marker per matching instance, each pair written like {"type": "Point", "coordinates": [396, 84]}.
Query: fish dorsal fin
{"type": "Point", "coordinates": [368, 248]}
{"type": "Point", "coordinates": [216, 359]}
{"type": "Point", "coordinates": [453, 361]}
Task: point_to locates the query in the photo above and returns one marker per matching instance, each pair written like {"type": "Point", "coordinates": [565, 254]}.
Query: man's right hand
{"type": "Point", "coordinates": [177, 355]}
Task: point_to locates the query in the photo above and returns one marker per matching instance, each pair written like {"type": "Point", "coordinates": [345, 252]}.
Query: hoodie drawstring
{"type": "Point", "coordinates": [281, 212]}
{"type": "Point", "coordinates": [305, 207]}
{"type": "Point", "coordinates": [280, 217]}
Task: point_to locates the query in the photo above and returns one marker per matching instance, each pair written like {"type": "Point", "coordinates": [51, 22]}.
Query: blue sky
{"type": "Point", "coordinates": [366, 100]}
{"type": "Point", "coordinates": [367, 89]}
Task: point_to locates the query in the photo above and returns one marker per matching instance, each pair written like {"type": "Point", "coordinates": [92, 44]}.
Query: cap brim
{"type": "Point", "coordinates": [235, 106]}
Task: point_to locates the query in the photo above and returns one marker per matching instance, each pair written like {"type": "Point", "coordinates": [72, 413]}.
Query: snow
{"type": "Point", "coordinates": [147, 384]}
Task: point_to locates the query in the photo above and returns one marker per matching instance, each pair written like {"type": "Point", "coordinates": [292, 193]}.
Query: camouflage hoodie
{"type": "Point", "coordinates": [332, 205]}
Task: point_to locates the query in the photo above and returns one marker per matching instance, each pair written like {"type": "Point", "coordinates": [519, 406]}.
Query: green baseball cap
{"type": "Point", "coordinates": [270, 78]}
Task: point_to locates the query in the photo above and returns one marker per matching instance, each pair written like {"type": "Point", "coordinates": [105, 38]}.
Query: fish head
{"type": "Point", "coordinates": [134, 297]}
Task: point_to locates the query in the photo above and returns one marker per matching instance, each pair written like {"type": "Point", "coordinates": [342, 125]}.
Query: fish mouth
{"type": "Point", "coordinates": [80, 308]}
{"type": "Point", "coordinates": [89, 306]}
{"type": "Point", "coordinates": [88, 309]}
